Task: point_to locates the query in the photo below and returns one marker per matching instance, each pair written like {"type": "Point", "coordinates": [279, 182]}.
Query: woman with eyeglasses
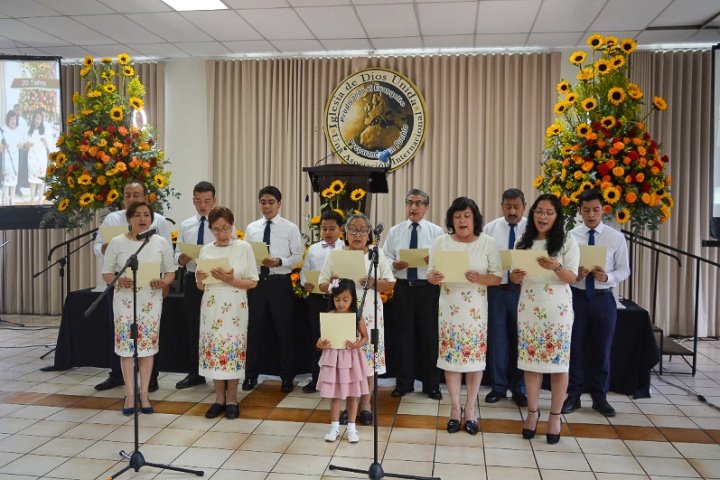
{"type": "Point", "coordinates": [224, 312]}
{"type": "Point", "coordinates": [545, 312]}
{"type": "Point", "coordinates": [359, 236]}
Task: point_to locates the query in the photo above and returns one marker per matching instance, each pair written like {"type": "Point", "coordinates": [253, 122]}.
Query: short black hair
{"type": "Point", "coordinates": [460, 204]}
{"type": "Point", "coordinates": [332, 215]}
{"type": "Point", "coordinates": [511, 193]}
{"type": "Point", "coordinates": [204, 187]}
{"type": "Point", "coordinates": [133, 181]}
{"type": "Point", "coordinates": [274, 191]}
{"type": "Point", "coordinates": [130, 212]}
{"type": "Point", "coordinates": [589, 196]}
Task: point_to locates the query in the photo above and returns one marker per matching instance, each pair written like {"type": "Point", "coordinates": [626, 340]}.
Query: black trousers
{"type": "Point", "coordinates": [316, 304]}
{"type": "Point", "coordinates": [416, 308]}
{"type": "Point", "coordinates": [271, 303]}
{"type": "Point", "coordinates": [193, 300]}
{"type": "Point", "coordinates": [503, 339]}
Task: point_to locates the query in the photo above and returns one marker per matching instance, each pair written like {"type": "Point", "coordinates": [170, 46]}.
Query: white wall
{"type": "Point", "coordinates": [186, 131]}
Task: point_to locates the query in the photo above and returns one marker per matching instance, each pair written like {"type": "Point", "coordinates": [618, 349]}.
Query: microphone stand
{"type": "Point", "coordinates": [375, 472]}
{"type": "Point", "coordinates": [137, 460]}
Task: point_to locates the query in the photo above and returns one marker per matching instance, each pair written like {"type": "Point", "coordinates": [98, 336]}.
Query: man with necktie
{"type": "Point", "coordinates": [331, 226]}
{"type": "Point", "coordinates": [271, 302]}
{"type": "Point", "coordinates": [195, 230]}
{"type": "Point", "coordinates": [502, 306]}
{"type": "Point", "coordinates": [595, 308]}
{"type": "Point", "coordinates": [415, 299]}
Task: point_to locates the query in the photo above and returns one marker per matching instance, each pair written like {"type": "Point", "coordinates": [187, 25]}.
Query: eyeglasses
{"type": "Point", "coordinates": [358, 233]}
{"type": "Point", "coordinates": [418, 203]}
{"type": "Point", "coordinates": [540, 213]}
{"type": "Point", "coordinates": [224, 229]}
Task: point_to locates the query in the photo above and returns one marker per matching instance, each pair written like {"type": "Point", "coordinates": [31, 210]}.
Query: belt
{"type": "Point", "coordinates": [276, 276]}
{"type": "Point", "coordinates": [598, 291]}
{"type": "Point", "coordinates": [416, 283]}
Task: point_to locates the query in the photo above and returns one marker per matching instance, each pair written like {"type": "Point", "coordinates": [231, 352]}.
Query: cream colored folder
{"type": "Point", "coordinates": [146, 272]}
{"type": "Point", "coordinates": [313, 276]}
{"type": "Point", "coordinates": [348, 264]}
{"type": "Point", "coordinates": [591, 255]}
{"type": "Point", "coordinates": [526, 260]}
{"type": "Point", "coordinates": [338, 328]}
{"type": "Point", "coordinates": [205, 265]}
{"type": "Point", "coordinates": [261, 251]}
{"type": "Point", "coordinates": [452, 264]}
{"type": "Point", "coordinates": [108, 232]}
{"type": "Point", "coordinates": [415, 257]}
{"type": "Point", "coordinates": [190, 249]}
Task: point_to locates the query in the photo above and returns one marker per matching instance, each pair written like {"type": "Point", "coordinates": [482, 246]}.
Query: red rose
{"type": "Point", "coordinates": [603, 169]}
{"type": "Point", "coordinates": [665, 159]}
{"type": "Point", "coordinates": [634, 155]}
{"type": "Point", "coordinates": [126, 174]}
{"type": "Point", "coordinates": [111, 129]}
{"type": "Point", "coordinates": [589, 143]}
{"type": "Point", "coordinates": [98, 129]}
{"type": "Point", "coordinates": [646, 136]}
{"type": "Point", "coordinates": [645, 187]}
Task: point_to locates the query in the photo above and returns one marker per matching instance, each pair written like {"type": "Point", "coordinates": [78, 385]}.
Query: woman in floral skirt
{"type": "Point", "coordinates": [462, 316]}
{"type": "Point", "coordinates": [545, 313]}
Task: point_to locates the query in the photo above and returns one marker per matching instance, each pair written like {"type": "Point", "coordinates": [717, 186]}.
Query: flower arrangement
{"type": "Point", "coordinates": [33, 100]}
{"type": "Point", "coordinates": [600, 141]}
{"type": "Point", "coordinates": [335, 197]}
{"type": "Point", "coordinates": [106, 145]}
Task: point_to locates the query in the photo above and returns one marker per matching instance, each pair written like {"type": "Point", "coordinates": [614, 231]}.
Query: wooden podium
{"type": "Point", "coordinates": [370, 179]}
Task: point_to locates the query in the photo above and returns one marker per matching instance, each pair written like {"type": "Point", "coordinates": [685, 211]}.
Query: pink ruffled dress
{"type": "Point", "coordinates": [343, 373]}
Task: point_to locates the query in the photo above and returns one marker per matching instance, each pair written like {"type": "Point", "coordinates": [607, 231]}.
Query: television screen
{"type": "Point", "coordinates": [31, 121]}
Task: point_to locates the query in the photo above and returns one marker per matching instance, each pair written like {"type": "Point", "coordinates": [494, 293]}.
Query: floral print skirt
{"type": "Point", "coordinates": [149, 311]}
{"type": "Point", "coordinates": [462, 324]}
{"type": "Point", "coordinates": [545, 318]}
{"type": "Point", "coordinates": [368, 312]}
{"type": "Point", "coordinates": [223, 333]}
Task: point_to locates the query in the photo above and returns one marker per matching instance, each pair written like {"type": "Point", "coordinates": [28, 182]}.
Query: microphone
{"type": "Point", "coordinates": [379, 229]}
{"type": "Point", "coordinates": [384, 156]}
{"type": "Point", "coordinates": [147, 233]}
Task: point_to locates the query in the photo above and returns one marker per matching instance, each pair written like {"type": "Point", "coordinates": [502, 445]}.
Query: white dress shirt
{"type": "Point", "coordinates": [499, 229]}
{"type": "Point", "coordinates": [285, 242]}
{"type": "Point", "coordinates": [317, 255]}
{"type": "Point", "coordinates": [399, 239]}
{"type": "Point", "coordinates": [617, 263]}
{"type": "Point", "coordinates": [188, 233]}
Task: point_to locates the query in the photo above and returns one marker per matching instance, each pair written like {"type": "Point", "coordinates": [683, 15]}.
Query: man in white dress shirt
{"type": "Point", "coordinates": [331, 226]}
{"type": "Point", "coordinates": [415, 299]}
{"type": "Point", "coordinates": [595, 308]}
{"type": "Point", "coordinates": [134, 191]}
{"type": "Point", "coordinates": [271, 302]}
{"type": "Point", "coordinates": [195, 230]}
{"type": "Point", "coordinates": [502, 305]}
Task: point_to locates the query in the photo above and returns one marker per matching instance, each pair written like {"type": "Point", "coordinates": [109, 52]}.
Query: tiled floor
{"type": "Point", "coordinates": [55, 425]}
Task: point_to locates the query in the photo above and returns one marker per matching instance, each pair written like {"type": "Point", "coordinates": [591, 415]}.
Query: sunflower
{"type": "Point", "coordinates": [84, 72]}
{"type": "Point", "coordinates": [128, 71]}
{"type": "Point", "coordinates": [357, 194]}
{"type": "Point", "coordinates": [112, 196]}
{"type": "Point", "coordinates": [635, 92]}
{"type": "Point", "coordinates": [159, 181]}
{"type": "Point", "coordinates": [586, 74]}
{"type": "Point", "coordinates": [617, 61]}
{"type": "Point", "coordinates": [603, 67]}
{"type": "Point", "coordinates": [336, 186]}
{"type": "Point", "coordinates": [109, 88]}
{"type": "Point", "coordinates": [571, 97]}
{"type": "Point", "coordinates": [116, 114]}
{"type": "Point", "coordinates": [327, 193]}
{"type": "Point", "coordinates": [608, 122]}
{"type": "Point", "coordinates": [240, 234]}
{"type": "Point", "coordinates": [577, 58]}
{"type": "Point", "coordinates": [628, 45]}
{"type": "Point", "coordinates": [589, 104]}
{"type": "Point", "coordinates": [63, 204]}
{"type": "Point", "coordinates": [585, 186]}
{"type": "Point", "coordinates": [611, 195]}
{"type": "Point", "coordinates": [94, 94]}
{"type": "Point", "coordinates": [106, 60]}
{"type": "Point", "coordinates": [553, 130]}
{"type": "Point", "coordinates": [136, 103]}
{"type": "Point", "coordinates": [49, 194]}
{"type": "Point", "coordinates": [86, 199]}
{"type": "Point", "coordinates": [595, 41]}
{"type": "Point", "coordinates": [50, 170]}
{"type": "Point", "coordinates": [71, 182]}
{"type": "Point", "coordinates": [84, 179]}
{"type": "Point", "coordinates": [88, 62]}
{"type": "Point", "coordinates": [339, 212]}
{"type": "Point", "coordinates": [583, 129]}
{"type": "Point", "coordinates": [665, 211]}
{"type": "Point", "coordinates": [101, 180]}
{"type": "Point", "coordinates": [616, 95]}
{"type": "Point", "coordinates": [560, 108]}
{"type": "Point", "coordinates": [622, 216]}
{"type": "Point", "coordinates": [611, 42]}
{"type": "Point", "coordinates": [315, 220]}
{"type": "Point", "coordinates": [123, 59]}
{"type": "Point", "coordinates": [107, 75]}
{"type": "Point", "coordinates": [659, 103]}
{"type": "Point", "coordinates": [563, 87]}
{"type": "Point", "coordinates": [60, 159]}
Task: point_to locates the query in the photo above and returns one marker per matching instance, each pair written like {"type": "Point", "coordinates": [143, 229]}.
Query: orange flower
{"type": "Point", "coordinates": [565, 200]}
{"type": "Point", "coordinates": [610, 163]}
{"type": "Point", "coordinates": [587, 166]}
{"type": "Point", "coordinates": [601, 143]}
{"type": "Point", "coordinates": [655, 170]}
{"type": "Point", "coordinates": [618, 171]}
{"type": "Point", "coordinates": [607, 209]}
{"type": "Point", "coordinates": [640, 177]}
{"type": "Point", "coordinates": [627, 160]}
{"type": "Point", "coordinates": [121, 166]}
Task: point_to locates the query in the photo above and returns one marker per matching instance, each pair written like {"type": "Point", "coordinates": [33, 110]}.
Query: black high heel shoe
{"type": "Point", "coordinates": [526, 432]}
{"type": "Point", "coordinates": [553, 438]}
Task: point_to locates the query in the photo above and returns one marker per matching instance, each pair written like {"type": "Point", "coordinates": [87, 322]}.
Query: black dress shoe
{"type": "Point", "coordinates": [494, 397]}
{"type": "Point", "coordinates": [520, 399]}
{"type": "Point", "coordinates": [249, 384]}
{"type": "Point", "coordinates": [571, 404]}
{"type": "Point", "coordinates": [471, 427]}
{"type": "Point", "coordinates": [435, 394]}
{"type": "Point", "coordinates": [366, 417]}
{"type": "Point", "coordinates": [526, 432]}
{"type": "Point", "coordinates": [602, 406]}
{"type": "Point", "coordinates": [214, 410]}
{"type": "Point", "coordinates": [310, 387]}
{"type": "Point", "coordinates": [190, 380]}
{"type": "Point", "coordinates": [453, 426]}
{"type": "Point", "coordinates": [401, 391]}
{"type": "Point", "coordinates": [344, 417]}
{"type": "Point", "coordinates": [287, 386]}
{"type": "Point", "coordinates": [153, 386]}
{"type": "Point", "coordinates": [232, 411]}
{"type": "Point", "coordinates": [110, 382]}
{"type": "Point", "coordinates": [553, 438]}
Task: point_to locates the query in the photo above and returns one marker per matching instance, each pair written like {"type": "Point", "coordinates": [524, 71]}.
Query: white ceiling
{"type": "Point", "coordinates": [73, 29]}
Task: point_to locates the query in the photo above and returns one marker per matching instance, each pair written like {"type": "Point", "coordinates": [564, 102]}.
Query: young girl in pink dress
{"type": "Point", "coordinates": [343, 371]}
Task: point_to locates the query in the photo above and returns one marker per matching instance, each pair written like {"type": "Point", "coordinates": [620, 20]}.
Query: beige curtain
{"type": "Point", "coordinates": [684, 80]}
{"type": "Point", "coordinates": [27, 250]}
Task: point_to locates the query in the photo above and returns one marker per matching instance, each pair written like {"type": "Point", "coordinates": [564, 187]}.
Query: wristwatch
{"type": "Point", "coordinates": [279, 262]}
{"type": "Point", "coordinates": [557, 270]}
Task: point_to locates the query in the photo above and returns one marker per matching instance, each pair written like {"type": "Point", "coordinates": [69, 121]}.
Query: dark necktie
{"type": "Point", "coordinates": [590, 279]}
{"type": "Point", "coordinates": [412, 272]}
{"type": "Point", "coordinates": [201, 232]}
{"type": "Point", "coordinates": [265, 271]}
{"type": "Point", "coordinates": [511, 245]}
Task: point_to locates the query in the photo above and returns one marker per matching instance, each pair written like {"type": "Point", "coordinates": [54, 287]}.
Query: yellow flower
{"type": "Point", "coordinates": [136, 103]}
{"type": "Point", "coordinates": [71, 119]}
{"type": "Point", "coordinates": [628, 45]}
{"type": "Point", "coordinates": [108, 74]}
{"type": "Point", "coordinates": [60, 141]}
{"type": "Point", "coordinates": [94, 94]}
{"type": "Point", "coordinates": [571, 97]}
{"type": "Point", "coordinates": [112, 196]}
{"type": "Point", "coordinates": [603, 67]}
{"type": "Point", "coordinates": [128, 71]}
{"type": "Point", "coordinates": [106, 60]}
{"type": "Point", "coordinates": [60, 159]}
{"type": "Point", "coordinates": [586, 186]}
{"type": "Point", "coordinates": [50, 170]}
{"type": "Point", "coordinates": [340, 212]}
{"type": "Point", "coordinates": [617, 61]}
{"type": "Point", "coordinates": [71, 182]}
{"type": "Point", "coordinates": [328, 193]}
{"type": "Point", "coordinates": [634, 92]}
{"type": "Point", "coordinates": [553, 130]}
{"type": "Point", "coordinates": [586, 74]}
{"type": "Point", "coordinates": [583, 129]}
{"type": "Point", "coordinates": [315, 220]}
{"type": "Point", "coordinates": [608, 122]}
{"type": "Point", "coordinates": [101, 180]}
{"type": "Point", "coordinates": [63, 204]}
{"type": "Point", "coordinates": [240, 234]}
{"type": "Point", "coordinates": [84, 179]}
{"type": "Point", "coordinates": [622, 216]}
{"type": "Point", "coordinates": [116, 114]}
{"type": "Point", "coordinates": [159, 181]}
{"type": "Point", "coordinates": [88, 62]}
{"type": "Point", "coordinates": [616, 95]}
{"type": "Point", "coordinates": [611, 42]}
{"type": "Point", "coordinates": [560, 108]}
{"type": "Point", "coordinates": [86, 199]}
{"type": "Point", "coordinates": [611, 195]}
{"type": "Point", "coordinates": [111, 172]}
{"type": "Point", "coordinates": [577, 58]}
{"type": "Point", "coordinates": [109, 88]}
{"type": "Point", "coordinates": [618, 171]}
{"type": "Point", "coordinates": [563, 87]}
{"type": "Point", "coordinates": [76, 97]}
{"type": "Point", "coordinates": [48, 194]}
{"type": "Point", "coordinates": [123, 59]}
{"type": "Point", "coordinates": [357, 194]}
{"type": "Point", "coordinates": [337, 186]}
{"type": "Point", "coordinates": [589, 104]}
{"type": "Point", "coordinates": [538, 181]}
{"type": "Point", "coordinates": [665, 211]}
{"type": "Point", "coordinates": [659, 103]}
{"type": "Point", "coordinates": [87, 111]}
{"type": "Point", "coordinates": [595, 41]}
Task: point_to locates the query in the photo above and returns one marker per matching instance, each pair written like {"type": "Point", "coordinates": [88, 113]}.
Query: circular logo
{"type": "Point", "coordinates": [376, 118]}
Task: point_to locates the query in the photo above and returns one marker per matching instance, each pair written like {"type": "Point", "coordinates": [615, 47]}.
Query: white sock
{"type": "Point", "coordinates": [335, 426]}
{"type": "Point", "coordinates": [351, 427]}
